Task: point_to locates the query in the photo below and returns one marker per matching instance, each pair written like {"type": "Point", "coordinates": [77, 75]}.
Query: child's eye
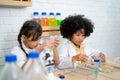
{"type": "Point", "coordinates": [35, 39]}
{"type": "Point", "coordinates": [83, 35]}
{"type": "Point", "coordinates": [78, 34]}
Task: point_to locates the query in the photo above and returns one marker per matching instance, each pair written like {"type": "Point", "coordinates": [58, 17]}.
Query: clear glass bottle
{"type": "Point", "coordinates": [33, 69]}
{"type": "Point", "coordinates": [44, 19]}
{"type": "Point", "coordinates": [11, 71]}
{"type": "Point", "coordinates": [36, 17]}
{"type": "Point", "coordinates": [52, 19]}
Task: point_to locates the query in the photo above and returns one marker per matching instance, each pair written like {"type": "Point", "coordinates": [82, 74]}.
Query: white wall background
{"type": "Point", "coordinates": [104, 13]}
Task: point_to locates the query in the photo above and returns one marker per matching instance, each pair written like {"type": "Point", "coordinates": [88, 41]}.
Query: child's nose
{"type": "Point", "coordinates": [81, 38]}
{"type": "Point", "coordinates": [38, 41]}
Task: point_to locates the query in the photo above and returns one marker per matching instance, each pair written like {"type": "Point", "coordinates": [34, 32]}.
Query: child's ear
{"type": "Point", "coordinates": [23, 38]}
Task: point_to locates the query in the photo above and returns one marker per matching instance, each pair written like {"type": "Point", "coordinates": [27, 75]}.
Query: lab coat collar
{"type": "Point", "coordinates": [25, 48]}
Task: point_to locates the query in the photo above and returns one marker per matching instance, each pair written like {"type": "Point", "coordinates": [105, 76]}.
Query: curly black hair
{"type": "Point", "coordinates": [72, 24]}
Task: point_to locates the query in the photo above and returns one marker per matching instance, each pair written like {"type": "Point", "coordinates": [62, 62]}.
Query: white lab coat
{"type": "Point", "coordinates": [67, 51]}
{"type": "Point", "coordinates": [21, 56]}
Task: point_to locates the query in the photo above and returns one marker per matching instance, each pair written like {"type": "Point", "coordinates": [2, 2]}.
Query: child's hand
{"type": "Point", "coordinates": [102, 57]}
{"type": "Point", "coordinates": [81, 57]}
{"type": "Point", "coordinates": [52, 43]}
{"type": "Point", "coordinates": [56, 41]}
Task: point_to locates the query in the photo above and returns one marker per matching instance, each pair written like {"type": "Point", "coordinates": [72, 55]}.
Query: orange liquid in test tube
{"type": "Point", "coordinates": [74, 59]}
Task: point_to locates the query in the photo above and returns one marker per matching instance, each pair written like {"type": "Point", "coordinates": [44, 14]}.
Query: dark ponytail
{"type": "Point", "coordinates": [20, 43]}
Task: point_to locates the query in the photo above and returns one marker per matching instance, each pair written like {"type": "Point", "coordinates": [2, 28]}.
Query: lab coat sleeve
{"type": "Point", "coordinates": [20, 57]}
{"type": "Point", "coordinates": [65, 59]}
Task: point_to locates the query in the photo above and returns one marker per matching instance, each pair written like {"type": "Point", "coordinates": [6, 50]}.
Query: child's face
{"type": "Point", "coordinates": [78, 37]}
{"type": "Point", "coordinates": [31, 44]}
